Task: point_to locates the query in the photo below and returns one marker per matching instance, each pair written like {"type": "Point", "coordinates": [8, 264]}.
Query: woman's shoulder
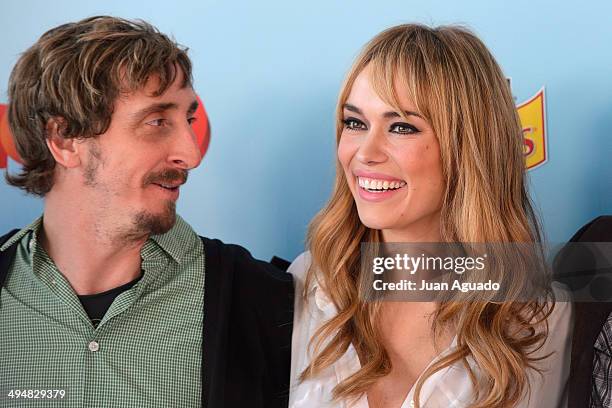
{"type": "Point", "coordinates": [563, 311]}
{"type": "Point", "coordinates": [559, 321]}
{"type": "Point", "coordinates": [299, 267]}
{"type": "Point", "coordinates": [548, 382]}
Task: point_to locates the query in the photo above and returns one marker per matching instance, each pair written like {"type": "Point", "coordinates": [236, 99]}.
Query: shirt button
{"type": "Point", "coordinates": [94, 346]}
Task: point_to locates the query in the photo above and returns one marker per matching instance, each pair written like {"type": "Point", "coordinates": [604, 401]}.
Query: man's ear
{"type": "Point", "coordinates": [65, 151]}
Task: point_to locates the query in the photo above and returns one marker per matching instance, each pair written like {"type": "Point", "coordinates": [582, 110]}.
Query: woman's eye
{"type": "Point", "coordinates": [354, 124]}
{"type": "Point", "coordinates": [403, 128]}
{"type": "Point", "coordinates": [156, 122]}
{"type": "Point", "coordinates": [192, 120]}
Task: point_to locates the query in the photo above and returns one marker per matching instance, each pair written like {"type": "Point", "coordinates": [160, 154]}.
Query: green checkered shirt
{"type": "Point", "coordinates": [146, 351]}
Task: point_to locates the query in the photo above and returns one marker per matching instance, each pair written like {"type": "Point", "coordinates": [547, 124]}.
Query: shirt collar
{"type": "Point", "coordinates": [321, 299]}
{"type": "Point", "coordinates": [176, 243]}
{"type": "Point", "coordinates": [32, 228]}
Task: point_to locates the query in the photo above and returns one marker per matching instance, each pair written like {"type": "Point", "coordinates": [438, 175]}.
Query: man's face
{"type": "Point", "coordinates": [132, 172]}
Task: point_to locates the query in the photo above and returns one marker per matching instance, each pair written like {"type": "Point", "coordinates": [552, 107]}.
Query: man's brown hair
{"type": "Point", "coordinates": [73, 74]}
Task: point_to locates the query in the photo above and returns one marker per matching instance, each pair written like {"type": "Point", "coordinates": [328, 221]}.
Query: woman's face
{"type": "Point", "coordinates": [392, 165]}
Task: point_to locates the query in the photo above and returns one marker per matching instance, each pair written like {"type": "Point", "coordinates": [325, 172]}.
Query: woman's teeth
{"type": "Point", "coordinates": [379, 185]}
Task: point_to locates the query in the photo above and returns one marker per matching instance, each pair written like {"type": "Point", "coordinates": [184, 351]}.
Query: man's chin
{"type": "Point", "coordinates": [147, 223]}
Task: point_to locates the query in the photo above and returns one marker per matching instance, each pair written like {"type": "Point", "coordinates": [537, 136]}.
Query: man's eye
{"type": "Point", "coordinates": [354, 124]}
{"type": "Point", "coordinates": [156, 122]}
{"type": "Point", "coordinates": [192, 120]}
{"type": "Point", "coordinates": [403, 128]}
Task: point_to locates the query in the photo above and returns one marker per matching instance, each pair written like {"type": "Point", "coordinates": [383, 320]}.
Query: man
{"type": "Point", "coordinates": [584, 265]}
{"type": "Point", "coordinates": [110, 299]}
{"type": "Point", "coordinates": [601, 392]}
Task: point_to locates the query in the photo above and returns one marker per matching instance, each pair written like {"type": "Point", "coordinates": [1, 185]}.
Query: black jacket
{"type": "Point", "coordinates": [589, 316]}
{"type": "Point", "coordinates": [246, 339]}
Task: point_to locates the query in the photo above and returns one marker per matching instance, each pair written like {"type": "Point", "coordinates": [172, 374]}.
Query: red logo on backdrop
{"type": "Point", "coordinates": [6, 140]}
{"type": "Point", "coordinates": [201, 128]}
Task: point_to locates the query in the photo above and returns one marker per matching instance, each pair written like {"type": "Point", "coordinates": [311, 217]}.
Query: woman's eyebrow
{"type": "Point", "coordinates": [386, 115]}
{"type": "Point", "coordinates": [352, 108]}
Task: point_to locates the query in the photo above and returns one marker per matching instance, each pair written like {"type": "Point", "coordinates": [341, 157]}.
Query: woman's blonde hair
{"type": "Point", "coordinates": [457, 86]}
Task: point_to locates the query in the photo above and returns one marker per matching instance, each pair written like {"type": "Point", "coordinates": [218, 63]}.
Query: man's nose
{"type": "Point", "coordinates": [185, 151]}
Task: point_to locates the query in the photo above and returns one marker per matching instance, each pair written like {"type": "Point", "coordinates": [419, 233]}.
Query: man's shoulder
{"type": "Point", "coordinates": [11, 237]}
{"type": "Point", "coordinates": [244, 286]}
{"type": "Point", "coordinates": [4, 238]}
{"type": "Point", "coordinates": [221, 256]}
{"type": "Point", "coordinates": [7, 253]}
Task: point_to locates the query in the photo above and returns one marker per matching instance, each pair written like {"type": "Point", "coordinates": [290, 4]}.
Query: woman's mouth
{"type": "Point", "coordinates": [378, 186]}
{"type": "Point", "coordinates": [377, 190]}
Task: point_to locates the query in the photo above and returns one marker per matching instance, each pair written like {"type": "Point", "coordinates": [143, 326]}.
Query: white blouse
{"type": "Point", "coordinates": [449, 387]}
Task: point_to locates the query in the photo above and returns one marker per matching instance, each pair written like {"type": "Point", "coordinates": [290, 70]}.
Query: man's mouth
{"type": "Point", "coordinates": [168, 186]}
{"type": "Point", "coordinates": [169, 180]}
{"type": "Point", "coordinates": [378, 186]}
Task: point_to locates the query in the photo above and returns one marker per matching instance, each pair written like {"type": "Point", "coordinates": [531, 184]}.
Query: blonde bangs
{"type": "Point", "coordinates": [396, 64]}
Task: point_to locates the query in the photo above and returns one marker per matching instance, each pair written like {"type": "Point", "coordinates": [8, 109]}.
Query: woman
{"type": "Point", "coordinates": [429, 150]}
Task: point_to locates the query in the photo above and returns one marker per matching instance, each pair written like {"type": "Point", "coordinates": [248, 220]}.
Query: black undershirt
{"type": "Point", "coordinates": [96, 305]}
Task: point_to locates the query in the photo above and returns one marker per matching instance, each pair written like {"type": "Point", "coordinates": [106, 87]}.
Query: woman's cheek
{"type": "Point", "coordinates": [345, 152]}
{"type": "Point", "coordinates": [419, 159]}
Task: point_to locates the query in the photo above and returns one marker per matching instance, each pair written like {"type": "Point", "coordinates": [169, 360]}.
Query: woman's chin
{"type": "Point", "coordinates": [377, 222]}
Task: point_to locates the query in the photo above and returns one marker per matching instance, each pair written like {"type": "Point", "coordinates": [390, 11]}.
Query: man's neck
{"type": "Point", "coordinates": [86, 251]}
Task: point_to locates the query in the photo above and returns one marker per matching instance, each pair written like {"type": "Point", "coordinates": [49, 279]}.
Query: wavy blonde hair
{"type": "Point", "coordinates": [456, 84]}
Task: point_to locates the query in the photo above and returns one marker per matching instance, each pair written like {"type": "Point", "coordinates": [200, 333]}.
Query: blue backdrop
{"type": "Point", "coordinates": [269, 73]}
